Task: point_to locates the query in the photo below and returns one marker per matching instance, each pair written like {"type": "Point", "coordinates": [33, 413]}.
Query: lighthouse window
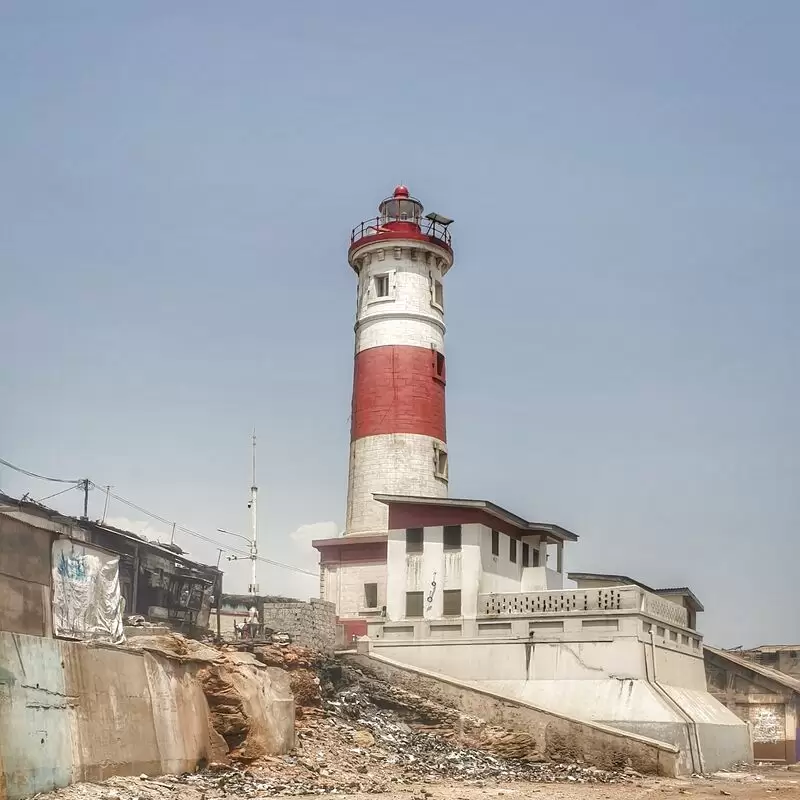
{"type": "Point", "coordinates": [382, 285]}
{"type": "Point", "coordinates": [440, 469]}
{"type": "Point", "coordinates": [438, 294]}
{"type": "Point", "coordinates": [512, 550]}
{"type": "Point", "coordinates": [440, 365]}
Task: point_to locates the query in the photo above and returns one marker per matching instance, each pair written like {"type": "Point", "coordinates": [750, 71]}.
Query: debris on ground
{"type": "Point", "coordinates": [354, 733]}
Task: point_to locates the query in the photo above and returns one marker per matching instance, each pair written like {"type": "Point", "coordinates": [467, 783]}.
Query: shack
{"type": "Point", "coordinates": [71, 577]}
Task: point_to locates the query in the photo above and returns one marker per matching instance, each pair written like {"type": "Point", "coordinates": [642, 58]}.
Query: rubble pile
{"type": "Point", "coordinates": [425, 716]}
{"type": "Point", "coordinates": [392, 732]}
{"type": "Point", "coordinates": [302, 665]}
{"type": "Point", "coordinates": [354, 733]}
{"type": "Point", "coordinates": [226, 709]}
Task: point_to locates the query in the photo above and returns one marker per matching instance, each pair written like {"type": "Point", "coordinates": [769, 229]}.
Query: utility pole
{"type": "Point", "coordinates": [254, 523]}
{"type": "Point", "coordinates": [252, 542]}
{"type": "Point", "coordinates": [85, 486]}
{"type": "Point", "coordinates": [105, 505]}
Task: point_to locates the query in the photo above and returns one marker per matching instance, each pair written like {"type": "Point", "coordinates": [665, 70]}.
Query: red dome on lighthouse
{"type": "Point", "coordinates": [400, 216]}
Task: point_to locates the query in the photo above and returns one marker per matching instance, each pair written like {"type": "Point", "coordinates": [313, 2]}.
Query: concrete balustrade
{"type": "Point", "coordinates": [607, 599]}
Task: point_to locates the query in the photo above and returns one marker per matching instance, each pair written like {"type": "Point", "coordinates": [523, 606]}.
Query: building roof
{"type": "Point", "coordinates": [170, 551]}
{"type": "Point", "coordinates": [602, 576]}
{"type": "Point", "coordinates": [694, 602]}
{"type": "Point", "coordinates": [773, 674]}
{"type": "Point", "coordinates": [554, 532]}
{"type": "Point", "coordinates": [352, 539]}
{"type": "Point", "coordinates": [772, 648]}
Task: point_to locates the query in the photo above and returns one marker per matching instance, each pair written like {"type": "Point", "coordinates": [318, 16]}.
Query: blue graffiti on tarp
{"type": "Point", "coordinates": [73, 567]}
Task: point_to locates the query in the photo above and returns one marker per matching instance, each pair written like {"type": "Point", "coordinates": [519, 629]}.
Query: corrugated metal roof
{"type": "Point", "coordinates": [9, 504]}
{"type": "Point", "coordinates": [772, 674]}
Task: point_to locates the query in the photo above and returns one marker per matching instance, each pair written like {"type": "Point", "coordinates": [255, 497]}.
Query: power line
{"type": "Point", "coordinates": [207, 539]}
{"type": "Point", "coordinates": [159, 518]}
{"type": "Point", "coordinates": [288, 566]}
{"type": "Point", "coordinates": [86, 483]}
{"type": "Point", "coordinates": [35, 475]}
{"type": "Point", "coordinates": [55, 494]}
{"type": "Point", "coordinates": [77, 483]}
{"type": "Point", "coordinates": [133, 505]}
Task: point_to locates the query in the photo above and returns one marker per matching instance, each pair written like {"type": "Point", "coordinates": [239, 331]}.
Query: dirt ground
{"type": "Point", "coordinates": [761, 784]}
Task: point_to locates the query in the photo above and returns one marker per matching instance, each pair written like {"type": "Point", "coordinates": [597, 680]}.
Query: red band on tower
{"type": "Point", "coordinates": [398, 389]}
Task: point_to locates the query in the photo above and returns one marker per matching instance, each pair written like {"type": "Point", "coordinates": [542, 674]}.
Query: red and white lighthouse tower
{"type": "Point", "coordinates": [398, 441]}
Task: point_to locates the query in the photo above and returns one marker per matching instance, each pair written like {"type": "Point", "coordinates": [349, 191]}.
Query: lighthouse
{"type": "Point", "coordinates": [429, 583]}
{"type": "Point", "coordinates": [398, 438]}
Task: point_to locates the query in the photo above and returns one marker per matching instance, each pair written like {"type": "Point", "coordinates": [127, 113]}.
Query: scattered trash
{"type": "Point", "coordinates": [355, 733]}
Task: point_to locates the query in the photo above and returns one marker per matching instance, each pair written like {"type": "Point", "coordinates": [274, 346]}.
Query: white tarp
{"type": "Point", "coordinates": [86, 596]}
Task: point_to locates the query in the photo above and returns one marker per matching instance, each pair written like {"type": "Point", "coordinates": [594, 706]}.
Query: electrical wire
{"type": "Point", "coordinates": [35, 475]}
{"type": "Point", "coordinates": [78, 482]}
{"type": "Point", "coordinates": [208, 539]}
{"type": "Point", "coordinates": [163, 520]}
{"type": "Point", "coordinates": [287, 566]}
{"type": "Point", "coordinates": [56, 494]}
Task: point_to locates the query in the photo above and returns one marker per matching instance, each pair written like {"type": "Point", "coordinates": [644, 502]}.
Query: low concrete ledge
{"type": "Point", "coordinates": [557, 737]}
{"type": "Point", "coordinates": [71, 711]}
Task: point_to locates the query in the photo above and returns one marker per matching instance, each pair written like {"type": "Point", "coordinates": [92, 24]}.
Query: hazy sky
{"type": "Point", "coordinates": [178, 185]}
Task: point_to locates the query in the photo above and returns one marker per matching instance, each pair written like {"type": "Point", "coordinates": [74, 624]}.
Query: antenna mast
{"type": "Point", "coordinates": [254, 523]}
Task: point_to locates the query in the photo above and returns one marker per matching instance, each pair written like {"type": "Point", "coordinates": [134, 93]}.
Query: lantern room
{"type": "Point", "coordinates": [400, 207]}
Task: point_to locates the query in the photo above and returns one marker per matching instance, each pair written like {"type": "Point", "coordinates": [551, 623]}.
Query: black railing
{"type": "Point", "coordinates": [378, 225]}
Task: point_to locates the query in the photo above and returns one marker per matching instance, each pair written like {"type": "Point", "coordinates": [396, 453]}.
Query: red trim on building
{"type": "Point", "coordinates": [344, 552]}
{"type": "Point", "coordinates": [350, 541]}
{"type": "Point", "coordinates": [416, 516]}
{"type": "Point", "coordinates": [397, 389]}
{"type": "Point", "coordinates": [353, 628]}
{"type": "Point", "coordinates": [392, 231]}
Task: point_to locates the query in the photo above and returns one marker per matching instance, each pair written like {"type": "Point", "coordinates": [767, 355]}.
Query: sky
{"type": "Point", "coordinates": [179, 181]}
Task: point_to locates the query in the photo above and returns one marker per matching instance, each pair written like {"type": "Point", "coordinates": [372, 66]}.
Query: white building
{"type": "Point", "coordinates": [465, 588]}
{"type": "Point", "coordinates": [419, 571]}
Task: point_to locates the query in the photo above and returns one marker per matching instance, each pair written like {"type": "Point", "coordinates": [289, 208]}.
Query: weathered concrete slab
{"type": "Point", "coordinates": [71, 711]}
{"type": "Point", "coordinates": [35, 729]}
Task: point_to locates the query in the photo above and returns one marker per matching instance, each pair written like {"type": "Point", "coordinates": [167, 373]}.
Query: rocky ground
{"type": "Point", "coordinates": [755, 784]}
{"type": "Point", "coordinates": [357, 736]}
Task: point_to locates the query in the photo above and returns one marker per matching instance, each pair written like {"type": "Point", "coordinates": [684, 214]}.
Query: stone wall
{"type": "Point", "coordinates": [311, 624]}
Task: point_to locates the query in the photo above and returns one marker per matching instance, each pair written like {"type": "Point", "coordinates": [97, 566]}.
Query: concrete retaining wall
{"type": "Point", "coordinates": [613, 679]}
{"type": "Point", "coordinates": [71, 711]}
{"type": "Point", "coordinates": [557, 737]}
